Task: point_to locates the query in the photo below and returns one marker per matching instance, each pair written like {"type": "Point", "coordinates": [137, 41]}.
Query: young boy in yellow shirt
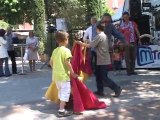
{"type": "Point", "coordinates": [61, 71]}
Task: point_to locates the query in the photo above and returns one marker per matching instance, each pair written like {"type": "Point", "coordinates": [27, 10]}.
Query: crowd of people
{"type": "Point", "coordinates": [7, 41]}
{"type": "Point", "coordinates": [97, 38]}
{"type": "Point", "coordinates": [104, 52]}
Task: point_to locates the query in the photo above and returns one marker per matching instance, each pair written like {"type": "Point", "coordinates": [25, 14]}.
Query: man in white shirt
{"type": "Point", "coordinates": [89, 35]}
{"type": "Point", "coordinates": [90, 32]}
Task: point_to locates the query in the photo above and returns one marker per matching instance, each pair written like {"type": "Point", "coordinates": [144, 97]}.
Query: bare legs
{"type": "Point", "coordinates": [62, 105]}
{"type": "Point", "coordinates": [32, 65]}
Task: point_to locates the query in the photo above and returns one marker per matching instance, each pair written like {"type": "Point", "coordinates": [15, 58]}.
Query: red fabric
{"type": "Point", "coordinates": [127, 33]}
{"type": "Point", "coordinates": [83, 98]}
{"type": "Point", "coordinates": [86, 66]}
{"type": "Point", "coordinates": [77, 58]}
{"type": "Point", "coordinates": [82, 65]}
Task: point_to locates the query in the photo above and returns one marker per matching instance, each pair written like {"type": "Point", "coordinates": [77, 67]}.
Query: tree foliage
{"type": "Point", "coordinates": [73, 10]}
{"type": "Point", "coordinates": [16, 11]}
{"type": "Point", "coordinates": [39, 22]}
{"type": "Point", "coordinates": [96, 8]}
{"type": "Point", "coordinates": [3, 25]}
{"type": "Point", "coordinates": [20, 11]}
{"type": "Point", "coordinates": [77, 12]}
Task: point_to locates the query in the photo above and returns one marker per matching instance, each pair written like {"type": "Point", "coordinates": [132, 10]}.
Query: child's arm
{"type": "Point", "coordinates": [69, 66]}
{"type": "Point", "coordinates": [83, 44]}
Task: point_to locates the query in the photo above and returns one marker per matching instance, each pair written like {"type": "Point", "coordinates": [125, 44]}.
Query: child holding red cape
{"type": "Point", "coordinates": [60, 88]}
{"type": "Point", "coordinates": [62, 69]}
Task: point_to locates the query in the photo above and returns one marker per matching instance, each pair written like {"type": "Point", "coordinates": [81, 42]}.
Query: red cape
{"type": "Point", "coordinates": [83, 98]}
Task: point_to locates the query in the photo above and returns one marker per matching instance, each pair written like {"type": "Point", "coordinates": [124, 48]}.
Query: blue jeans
{"type": "Point", "coordinates": [102, 76]}
{"type": "Point", "coordinates": [6, 68]}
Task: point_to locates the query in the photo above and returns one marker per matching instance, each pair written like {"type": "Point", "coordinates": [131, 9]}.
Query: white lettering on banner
{"type": "Point", "coordinates": [147, 57]}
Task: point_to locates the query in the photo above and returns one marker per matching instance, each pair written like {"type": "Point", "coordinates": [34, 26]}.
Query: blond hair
{"type": "Point", "coordinates": [61, 36]}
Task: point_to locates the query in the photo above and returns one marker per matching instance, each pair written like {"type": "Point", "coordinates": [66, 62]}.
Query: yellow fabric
{"type": "Point", "coordinates": [83, 76]}
{"type": "Point", "coordinates": [52, 93]}
{"type": "Point", "coordinates": [60, 71]}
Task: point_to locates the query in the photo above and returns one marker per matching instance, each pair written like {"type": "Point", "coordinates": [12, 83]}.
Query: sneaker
{"type": "Point", "coordinates": [118, 92]}
{"type": "Point", "coordinates": [99, 93]}
{"type": "Point", "coordinates": [64, 113]}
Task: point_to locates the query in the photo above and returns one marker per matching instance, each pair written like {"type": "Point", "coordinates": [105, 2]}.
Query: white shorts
{"type": "Point", "coordinates": [64, 90]}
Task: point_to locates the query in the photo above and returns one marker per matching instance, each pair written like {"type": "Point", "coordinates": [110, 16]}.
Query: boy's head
{"type": "Point", "coordinates": [100, 27]}
{"type": "Point", "coordinates": [62, 37]}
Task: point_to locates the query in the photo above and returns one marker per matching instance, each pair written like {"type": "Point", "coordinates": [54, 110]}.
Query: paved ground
{"type": "Point", "coordinates": [22, 98]}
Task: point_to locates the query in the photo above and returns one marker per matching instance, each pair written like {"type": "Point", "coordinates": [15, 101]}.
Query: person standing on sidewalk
{"type": "Point", "coordinates": [130, 31]}
{"type": "Point", "coordinates": [11, 52]}
{"type": "Point", "coordinates": [100, 43]}
{"type": "Point", "coordinates": [32, 50]}
{"type": "Point", "coordinates": [3, 55]}
{"type": "Point", "coordinates": [89, 35]}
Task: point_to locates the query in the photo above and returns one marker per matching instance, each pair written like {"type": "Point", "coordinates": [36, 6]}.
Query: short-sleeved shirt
{"type": "Point", "coordinates": [128, 30]}
{"type": "Point", "coordinates": [90, 33]}
{"type": "Point", "coordinates": [60, 71]}
{"type": "Point", "coordinates": [102, 49]}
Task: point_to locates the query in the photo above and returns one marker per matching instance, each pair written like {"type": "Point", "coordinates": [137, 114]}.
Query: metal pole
{"type": "Point", "coordinates": [22, 58]}
{"type": "Point", "coordinates": [22, 72]}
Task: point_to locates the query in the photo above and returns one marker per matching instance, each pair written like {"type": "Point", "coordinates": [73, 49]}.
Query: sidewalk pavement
{"type": "Point", "coordinates": [22, 97]}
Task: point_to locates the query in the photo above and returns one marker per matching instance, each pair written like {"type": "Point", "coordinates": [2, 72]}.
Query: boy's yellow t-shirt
{"type": "Point", "coordinates": [60, 71]}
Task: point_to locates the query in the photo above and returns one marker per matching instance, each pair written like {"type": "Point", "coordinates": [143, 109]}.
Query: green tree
{"type": "Point", "coordinates": [39, 22]}
{"type": "Point", "coordinates": [19, 11]}
{"type": "Point", "coordinates": [73, 10]}
{"type": "Point", "coordinates": [3, 24]}
{"type": "Point", "coordinates": [16, 11]}
{"type": "Point", "coordinates": [96, 8]}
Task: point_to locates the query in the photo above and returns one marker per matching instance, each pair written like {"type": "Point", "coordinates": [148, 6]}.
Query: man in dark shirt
{"type": "Point", "coordinates": [10, 36]}
{"type": "Point", "coordinates": [110, 30]}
